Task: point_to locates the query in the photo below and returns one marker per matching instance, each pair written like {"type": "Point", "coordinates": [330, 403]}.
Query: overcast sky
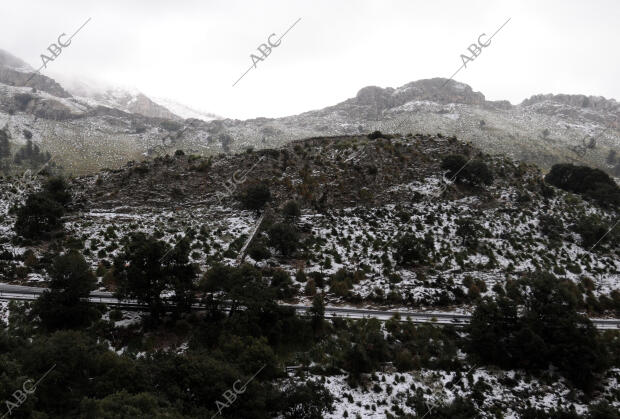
{"type": "Point", "coordinates": [193, 51]}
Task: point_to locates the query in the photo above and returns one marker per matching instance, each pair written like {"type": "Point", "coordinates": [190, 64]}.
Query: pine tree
{"type": "Point", "coordinates": [65, 305]}
{"type": "Point", "coordinates": [318, 312]}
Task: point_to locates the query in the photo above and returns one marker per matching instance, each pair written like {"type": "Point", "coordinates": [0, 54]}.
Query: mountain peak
{"type": "Point", "coordinates": [438, 90]}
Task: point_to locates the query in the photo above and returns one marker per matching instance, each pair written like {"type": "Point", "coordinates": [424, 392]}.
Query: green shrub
{"type": "Point", "coordinates": [284, 237]}
{"type": "Point", "coordinates": [254, 197]}
{"type": "Point", "coordinates": [591, 183]}
{"type": "Point", "coordinates": [291, 209]}
{"type": "Point", "coordinates": [38, 217]}
{"type": "Point", "coordinates": [547, 331]}
{"type": "Point", "coordinates": [593, 230]}
{"type": "Point", "coordinates": [58, 190]}
{"type": "Point", "coordinates": [411, 251]}
{"type": "Point", "coordinates": [170, 125]}
{"type": "Point", "coordinates": [258, 250]}
{"type": "Point", "coordinates": [462, 170]}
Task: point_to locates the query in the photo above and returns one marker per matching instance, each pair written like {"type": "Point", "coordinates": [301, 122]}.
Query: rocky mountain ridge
{"type": "Point", "coordinates": [87, 134]}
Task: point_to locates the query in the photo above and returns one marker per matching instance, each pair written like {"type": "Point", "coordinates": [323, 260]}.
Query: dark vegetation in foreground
{"type": "Point", "coordinates": [533, 326]}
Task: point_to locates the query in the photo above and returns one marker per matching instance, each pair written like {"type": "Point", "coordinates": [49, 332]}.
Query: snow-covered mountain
{"type": "Point", "coordinates": [89, 125]}
{"type": "Point", "coordinates": [96, 93]}
{"type": "Point", "coordinates": [131, 100]}
{"type": "Point", "coordinates": [184, 111]}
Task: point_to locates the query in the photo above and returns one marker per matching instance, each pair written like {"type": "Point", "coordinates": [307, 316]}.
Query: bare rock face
{"type": "Point", "coordinates": [16, 72]}
{"type": "Point", "coordinates": [578, 101]}
{"type": "Point", "coordinates": [573, 107]}
{"type": "Point", "coordinates": [374, 100]}
{"type": "Point", "coordinates": [12, 77]}
{"type": "Point", "coordinates": [144, 106]}
{"type": "Point", "coordinates": [437, 90]}
{"type": "Point", "coordinates": [441, 91]}
{"type": "Point", "coordinates": [53, 110]}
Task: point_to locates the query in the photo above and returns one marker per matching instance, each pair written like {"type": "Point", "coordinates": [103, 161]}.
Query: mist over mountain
{"type": "Point", "coordinates": [408, 252]}
{"type": "Point", "coordinates": [125, 124]}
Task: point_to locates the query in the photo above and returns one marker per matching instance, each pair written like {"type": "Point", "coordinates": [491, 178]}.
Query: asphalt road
{"type": "Point", "coordinates": [20, 292]}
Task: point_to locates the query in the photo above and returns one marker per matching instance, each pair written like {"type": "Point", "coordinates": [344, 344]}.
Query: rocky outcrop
{"type": "Point", "coordinates": [439, 90]}
{"type": "Point", "coordinates": [598, 103]}
{"type": "Point", "coordinates": [142, 105]}
{"type": "Point", "coordinates": [16, 72]}
{"type": "Point", "coordinates": [372, 101]}
{"type": "Point", "coordinates": [16, 78]}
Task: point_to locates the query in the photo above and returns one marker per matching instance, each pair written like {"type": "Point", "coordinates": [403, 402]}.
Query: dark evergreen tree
{"type": "Point", "coordinates": [462, 170]}
{"type": "Point", "coordinates": [411, 251]}
{"type": "Point", "coordinates": [38, 217]}
{"type": "Point", "coordinates": [147, 267]}
{"type": "Point", "coordinates": [310, 400]}
{"type": "Point", "coordinates": [317, 312]}
{"type": "Point", "coordinates": [591, 183]}
{"type": "Point", "coordinates": [258, 250]}
{"type": "Point", "coordinates": [547, 331]}
{"type": "Point", "coordinates": [284, 237]}
{"type": "Point", "coordinates": [65, 305]}
{"type": "Point", "coordinates": [468, 231]}
{"type": "Point", "coordinates": [291, 210]}
{"type": "Point", "coordinates": [254, 197]}
{"type": "Point", "coordinates": [58, 190]}
{"type": "Point", "coordinates": [122, 404]}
